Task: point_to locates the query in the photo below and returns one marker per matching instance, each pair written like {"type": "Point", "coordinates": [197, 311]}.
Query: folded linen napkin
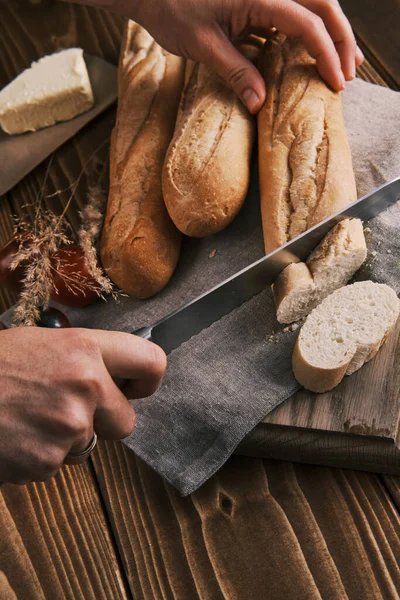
{"type": "Point", "coordinates": [222, 382]}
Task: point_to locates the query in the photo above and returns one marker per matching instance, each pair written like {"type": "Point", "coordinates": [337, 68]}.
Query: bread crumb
{"type": "Point", "coordinates": [212, 253]}
{"type": "Point", "coordinates": [367, 230]}
{"type": "Point", "coordinates": [374, 253]}
{"type": "Point", "coordinates": [295, 326]}
{"type": "Point", "coordinates": [389, 251]}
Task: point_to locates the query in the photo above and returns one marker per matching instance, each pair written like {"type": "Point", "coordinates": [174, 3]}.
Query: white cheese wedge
{"type": "Point", "coordinates": [56, 88]}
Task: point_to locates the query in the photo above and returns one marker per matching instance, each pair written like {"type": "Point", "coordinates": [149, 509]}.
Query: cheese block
{"type": "Point", "coordinates": [55, 88]}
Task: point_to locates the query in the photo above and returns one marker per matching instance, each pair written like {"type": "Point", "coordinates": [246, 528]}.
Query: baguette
{"type": "Point", "coordinates": [305, 166]}
{"type": "Point", "coordinates": [345, 331]}
{"type": "Point", "coordinates": [207, 168]}
{"type": "Point", "coordinates": [140, 245]}
{"type": "Point", "coordinates": [302, 286]}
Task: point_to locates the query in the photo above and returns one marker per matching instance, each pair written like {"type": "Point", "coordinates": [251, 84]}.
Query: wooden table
{"type": "Point", "coordinates": [259, 529]}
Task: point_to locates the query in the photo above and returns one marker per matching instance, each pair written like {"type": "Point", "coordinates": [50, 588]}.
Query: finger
{"type": "Point", "coordinates": [135, 389]}
{"type": "Point", "coordinates": [339, 29]}
{"type": "Point", "coordinates": [294, 20]}
{"type": "Point", "coordinates": [114, 418]}
{"type": "Point", "coordinates": [359, 57]}
{"type": "Point", "coordinates": [130, 357]}
{"type": "Point", "coordinates": [259, 32]}
{"type": "Point", "coordinates": [218, 53]}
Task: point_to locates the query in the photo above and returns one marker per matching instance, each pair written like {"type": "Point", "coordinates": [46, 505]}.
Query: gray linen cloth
{"type": "Point", "coordinates": [222, 382]}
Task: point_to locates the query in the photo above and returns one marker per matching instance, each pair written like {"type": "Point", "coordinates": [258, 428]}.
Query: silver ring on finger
{"type": "Point", "coordinates": [75, 458]}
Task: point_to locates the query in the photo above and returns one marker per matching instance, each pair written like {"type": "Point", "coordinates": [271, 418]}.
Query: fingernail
{"type": "Point", "coordinates": [250, 99]}
{"type": "Point", "coordinates": [360, 52]}
{"type": "Point", "coordinates": [342, 80]}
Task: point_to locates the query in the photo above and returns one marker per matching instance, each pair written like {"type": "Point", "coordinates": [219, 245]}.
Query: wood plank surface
{"type": "Point", "coordinates": [376, 24]}
{"type": "Point", "coordinates": [7, 298]}
{"type": "Point", "coordinates": [28, 31]}
{"type": "Point", "coordinates": [357, 425]}
{"type": "Point", "coordinates": [392, 485]}
{"type": "Point", "coordinates": [367, 403]}
{"type": "Point", "coordinates": [257, 529]}
{"type": "Point", "coordinates": [55, 540]}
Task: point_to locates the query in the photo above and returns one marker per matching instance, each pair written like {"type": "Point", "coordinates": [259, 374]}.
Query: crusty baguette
{"type": "Point", "coordinates": [140, 244]}
{"type": "Point", "coordinates": [302, 286]}
{"type": "Point", "coordinates": [207, 168]}
{"type": "Point", "coordinates": [305, 166]}
{"type": "Point", "coordinates": [345, 331]}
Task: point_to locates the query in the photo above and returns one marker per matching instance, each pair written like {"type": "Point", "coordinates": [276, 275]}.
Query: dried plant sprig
{"type": "Point", "coordinates": [92, 222]}
{"type": "Point", "coordinates": [36, 247]}
{"type": "Point", "coordinates": [45, 238]}
{"type": "Point", "coordinates": [37, 289]}
{"type": "Point", "coordinates": [40, 240]}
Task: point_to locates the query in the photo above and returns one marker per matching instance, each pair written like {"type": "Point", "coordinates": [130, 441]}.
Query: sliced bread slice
{"type": "Point", "coordinates": [342, 333]}
{"type": "Point", "coordinates": [302, 286]}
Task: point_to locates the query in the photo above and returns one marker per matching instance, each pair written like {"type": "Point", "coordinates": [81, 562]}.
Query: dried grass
{"type": "Point", "coordinates": [40, 240]}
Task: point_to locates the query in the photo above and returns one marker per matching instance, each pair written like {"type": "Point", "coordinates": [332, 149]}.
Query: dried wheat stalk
{"type": "Point", "coordinates": [40, 240]}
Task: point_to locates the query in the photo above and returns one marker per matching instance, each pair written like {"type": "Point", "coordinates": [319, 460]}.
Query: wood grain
{"type": "Point", "coordinates": [7, 298]}
{"type": "Point", "coordinates": [367, 403]}
{"type": "Point", "coordinates": [392, 485]}
{"type": "Point", "coordinates": [55, 540]}
{"type": "Point", "coordinates": [375, 23]}
{"type": "Point", "coordinates": [28, 32]}
{"type": "Point", "coordinates": [357, 425]}
{"type": "Point", "coordinates": [257, 529]}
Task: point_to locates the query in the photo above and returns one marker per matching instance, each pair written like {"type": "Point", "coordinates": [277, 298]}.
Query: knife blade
{"type": "Point", "coordinates": [19, 154]}
{"type": "Point", "coordinates": [187, 321]}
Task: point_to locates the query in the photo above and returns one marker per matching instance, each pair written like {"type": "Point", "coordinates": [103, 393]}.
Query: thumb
{"type": "Point", "coordinates": [241, 75]}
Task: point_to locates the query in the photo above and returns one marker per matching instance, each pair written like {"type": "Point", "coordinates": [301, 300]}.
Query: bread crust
{"type": "Point", "coordinates": [314, 378]}
{"type": "Point", "coordinates": [301, 286]}
{"type": "Point", "coordinates": [297, 280]}
{"type": "Point", "coordinates": [207, 168]}
{"type": "Point", "coordinates": [140, 245]}
{"type": "Point", "coordinates": [305, 166]}
{"type": "Point", "coordinates": [355, 351]}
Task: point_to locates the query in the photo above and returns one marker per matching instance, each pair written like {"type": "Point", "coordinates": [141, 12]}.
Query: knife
{"type": "Point", "coordinates": [19, 154]}
{"type": "Point", "coordinates": [187, 321]}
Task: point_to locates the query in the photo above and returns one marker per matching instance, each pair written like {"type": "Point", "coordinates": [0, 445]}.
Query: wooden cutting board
{"type": "Point", "coordinates": [355, 426]}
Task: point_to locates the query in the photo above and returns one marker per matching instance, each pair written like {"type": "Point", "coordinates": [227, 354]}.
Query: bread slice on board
{"type": "Point", "coordinates": [302, 286]}
{"type": "Point", "coordinates": [305, 166]}
{"type": "Point", "coordinates": [345, 331]}
{"type": "Point", "coordinates": [207, 168]}
{"type": "Point", "coordinates": [140, 245]}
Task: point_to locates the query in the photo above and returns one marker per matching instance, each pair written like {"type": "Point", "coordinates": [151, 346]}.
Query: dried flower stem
{"type": "Point", "coordinates": [36, 291]}
{"type": "Point", "coordinates": [41, 240]}
{"type": "Point", "coordinates": [92, 221]}
{"type": "Point", "coordinates": [76, 183]}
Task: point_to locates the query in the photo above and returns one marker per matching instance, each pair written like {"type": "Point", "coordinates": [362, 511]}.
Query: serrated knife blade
{"type": "Point", "coordinates": [187, 321]}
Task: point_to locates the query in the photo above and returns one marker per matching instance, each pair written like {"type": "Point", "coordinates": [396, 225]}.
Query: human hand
{"type": "Point", "coordinates": [56, 388]}
{"type": "Point", "coordinates": [201, 30]}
